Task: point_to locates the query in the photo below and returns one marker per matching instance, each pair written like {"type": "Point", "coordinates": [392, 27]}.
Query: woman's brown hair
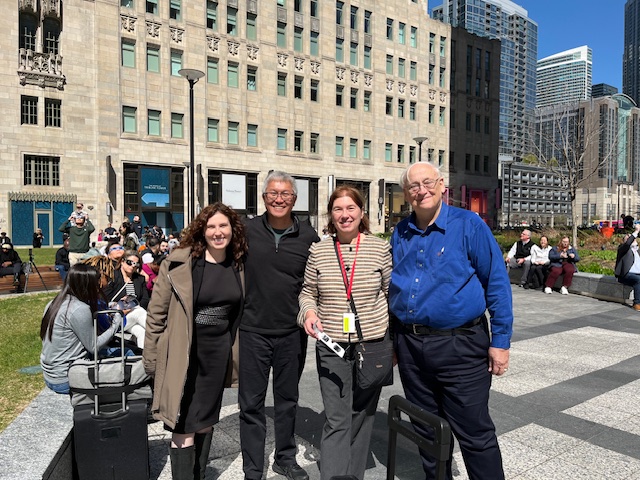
{"type": "Point", "coordinates": [354, 194]}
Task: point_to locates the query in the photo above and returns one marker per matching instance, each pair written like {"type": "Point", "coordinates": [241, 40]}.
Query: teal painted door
{"type": "Point", "coordinates": [44, 223]}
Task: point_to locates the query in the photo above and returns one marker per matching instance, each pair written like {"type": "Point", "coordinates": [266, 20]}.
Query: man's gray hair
{"type": "Point", "coordinates": [279, 176]}
{"type": "Point", "coordinates": [404, 178]}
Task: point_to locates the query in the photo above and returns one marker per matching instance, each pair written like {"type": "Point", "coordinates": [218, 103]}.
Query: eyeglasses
{"type": "Point", "coordinates": [272, 196]}
{"type": "Point", "coordinates": [427, 183]}
{"type": "Point", "coordinates": [113, 249]}
{"type": "Point", "coordinates": [131, 263]}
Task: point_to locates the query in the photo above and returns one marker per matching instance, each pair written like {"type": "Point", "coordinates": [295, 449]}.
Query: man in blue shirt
{"type": "Point", "coordinates": [447, 271]}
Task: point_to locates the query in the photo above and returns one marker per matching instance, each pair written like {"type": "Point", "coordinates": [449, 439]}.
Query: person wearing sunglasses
{"type": "Point", "coordinates": [128, 284]}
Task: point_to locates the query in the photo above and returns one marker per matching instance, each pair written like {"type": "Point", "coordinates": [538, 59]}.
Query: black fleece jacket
{"type": "Point", "coordinates": [274, 274]}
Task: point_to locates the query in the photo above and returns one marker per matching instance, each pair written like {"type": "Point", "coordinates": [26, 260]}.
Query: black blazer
{"type": "Point", "coordinates": [624, 258]}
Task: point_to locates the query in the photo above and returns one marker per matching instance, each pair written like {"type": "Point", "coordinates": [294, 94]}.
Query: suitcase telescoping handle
{"type": "Point", "coordinates": [109, 312]}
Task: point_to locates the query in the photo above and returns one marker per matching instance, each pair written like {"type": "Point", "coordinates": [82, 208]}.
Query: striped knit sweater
{"type": "Point", "coordinates": [324, 291]}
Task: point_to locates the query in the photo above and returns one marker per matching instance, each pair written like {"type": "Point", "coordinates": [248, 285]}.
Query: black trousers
{"type": "Point", "coordinates": [258, 355]}
{"type": "Point", "coordinates": [448, 376]}
{"type": "Point", "coordinates": [538, 275]}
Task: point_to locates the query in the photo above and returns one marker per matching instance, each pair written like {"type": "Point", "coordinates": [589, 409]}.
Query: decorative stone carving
{"type": "Point", "coordinates": [413, 89]}
{"type": "Point", "coordinates": [233, 47]}
{"type": "Point", "coordinates": [368, 79]}
{"type": "Point", "coordinates": [432, 94]}
{"type": "Point", "coordinates": [315, 24]}
{"type": "Point", "coordinates": [42, 197]}
{"type": "Point", "coordinates": [354, 76]}
{"type": "Point", "coordinates": [340, 73]}
{"type": "Point", "coordinates": [127, 23]}
{"type": "Point", "coordinates": [153, 29]}
{"type": "Point", "coordinates": [51, 8]}
{"type": "Point", "coordinates": [401, 86]}
{"type": "Point", "coordinates": [443, 97]}
{"type": "Point", "coordinates": [42, 69]}
{"type": "Point", "coordinates": [389, 84]}
{"type": "Point", "coordinates": [282, 59]}
{"type": "Point", "coordinates": [176, 34]}
{"type": "Point", "coordinates": [252, 51]}
{"type": "Point", "coordinates": [252, 6]}
{"type": "Point", "coordinates": [298, 62]}
{"type": "Point", "coordinates": [213, 43]}
{"type": "Point", "coordinates": [315, 67]}
{"type": "Point", "coordinates": [27, 6]}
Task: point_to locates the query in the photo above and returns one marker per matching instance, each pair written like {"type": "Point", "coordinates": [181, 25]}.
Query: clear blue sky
{"type": "Point", "coordinates": [565, 24]}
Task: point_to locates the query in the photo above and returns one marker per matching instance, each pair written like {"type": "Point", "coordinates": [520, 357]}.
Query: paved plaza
{"type": "Point", "coordinates": [568, 408]}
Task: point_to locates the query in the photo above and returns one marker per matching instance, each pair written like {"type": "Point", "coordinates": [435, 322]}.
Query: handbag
{"type": "Point", "coordinates": [374, 358]}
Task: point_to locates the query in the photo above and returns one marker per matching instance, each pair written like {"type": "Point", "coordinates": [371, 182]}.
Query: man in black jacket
{"type": "Point", "coordinates": [520, 256]}
{"type": "Point", "coordinates": [628, 265]}
{"type": "Point", "coordinates": [270, 337]}
{"type": "Point", "coordinates": [10, 263]}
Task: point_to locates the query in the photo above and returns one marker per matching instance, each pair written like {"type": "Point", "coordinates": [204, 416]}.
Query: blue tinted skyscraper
{"type": "Point", "coordinates": [508, 22]}
{"type": "Point", "coordinates": [631, 55]}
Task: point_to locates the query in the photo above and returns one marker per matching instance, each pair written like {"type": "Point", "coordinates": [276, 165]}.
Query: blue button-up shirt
{"type": "Point", "coordinates": [450, 274]}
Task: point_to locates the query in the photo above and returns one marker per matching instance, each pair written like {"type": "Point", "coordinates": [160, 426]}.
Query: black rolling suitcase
{"type": "Point", "coordinates": [111, 439]}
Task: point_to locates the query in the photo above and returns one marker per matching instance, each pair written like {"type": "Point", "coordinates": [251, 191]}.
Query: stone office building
{"type": "Point", "coordinates": [96, 110]}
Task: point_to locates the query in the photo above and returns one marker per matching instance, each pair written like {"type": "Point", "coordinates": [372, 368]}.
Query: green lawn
{"type": "Point", "coordinates": [20, 347]}
{"type": "Point", "coordinates": [41, 256]}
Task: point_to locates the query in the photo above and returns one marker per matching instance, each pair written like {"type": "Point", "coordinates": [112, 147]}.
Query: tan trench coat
{"type": "Point", "coordinates": [169, 333]}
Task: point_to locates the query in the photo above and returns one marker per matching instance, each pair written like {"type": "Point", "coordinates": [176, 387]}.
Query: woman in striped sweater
{"type": "Point", "coordinates": [350, 263]}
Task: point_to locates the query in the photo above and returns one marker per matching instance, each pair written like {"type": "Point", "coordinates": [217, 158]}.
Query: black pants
{"type": "Point", "coordinates": [538, 275]}
{"type": "Point", "coordinates": [258, 355]}
{"type": "Point", "coordinates": [448, 376]}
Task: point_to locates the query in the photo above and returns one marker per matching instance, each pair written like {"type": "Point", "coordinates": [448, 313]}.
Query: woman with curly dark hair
{"type": "Point", "coordinates": [192, 320]}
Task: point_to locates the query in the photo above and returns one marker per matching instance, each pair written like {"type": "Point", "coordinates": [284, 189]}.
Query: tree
{"type": "Point", "coordinates": [571, 141]}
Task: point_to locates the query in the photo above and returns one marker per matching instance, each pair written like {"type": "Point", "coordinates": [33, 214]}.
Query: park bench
{"type": "Point", "coordinates": [50, 276]}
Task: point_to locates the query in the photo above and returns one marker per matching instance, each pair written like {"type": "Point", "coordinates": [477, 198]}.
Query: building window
{"type": "Point", "coordinates": [366, 149]}
{"type": "Point", "coordinates": [252, 135]}
{"type": "Point", "coordinates": [282, 35]}
{"type": "Point", "coordinates": [41, 170]}
{"type": "Point", "coordinates": [339, 13]}
{"type": "Point", "coordinates": [339, 50]}
{"type": "Point", "coordinates": [52, 112]}
{"type": "Point", "coordinates": [314, 90]}
{"type": "Point", "coordinates": [442, 78]}
{"type": "Point", "coordinates": [389, 65]}
{"type": "Point", "coordinates": [176, 62]}
{"type": "Point", "coordinates": [412, 110]}
{"type": "Point", "coordinates": [440, 158]}
{"type": "Point", "coordinates": [128, 54]}
{"type": "Point", "coordinates": [467, 162]}
{"type": "Point", "coordinates": [353, 148]}
{"type": "Point", "coordinates": [297, 39]}
{"type": "Point", "coordinates": [212, 70]}
{"type": "Point", "coordinates": [212, 15]}
{"type": "Point", "coordinates": [153, 123]}
{"type": "Point", "coordinates": [353, 103]}
{"type": "Point", "coordinates": [413, 40]}
{"type": "Point", "coordinates": [153, 58]}
{"type": "Point", "coordinates": [232, 21]}
{"type": "Point", "coordinates": [441, 118]}
{"type": "Point", "coordinates": [232, 75]}
{"type": "Point", "coordinates": [443, 46]}
{"type": "Point", "coordinates": [281, 3]}
{"type": "Point", "coordinates": [232, 133]}
{"type": "Point", "coordinates": [313, 8]}
{"type": "Point", "coordinates": [339, 95]}
{"type": "Point", "coordinates": [152, 7]}
{"type": "Point", "coordinates": [400, 108]}
{"type": "Point", "coordinates": [252, 29]}
{"type": "Point", "coordinates": [29, 110]}
{"type": "Point", "coordinates": [388, 152]}
{"type": "Point", "coordinates": [413, 71]}
{"type": "Point", "coordinates": [51, 36]}
{"type": "Point", "coordinates": [431, 74]}
{"type": "Point", "coordinates": [467, 122]}
{"type": "Point", "coordinates": [412, 154]}
{"type": "Point", "coordinates": [297, 87]}
{"type": "Point", "coordinates": [401, 33]}
{"type": "Point", "coordinates": [252, 79]}
{"type": "Point", "coordinates": [431, 113]}
{"type": "Point", "coordinates": [366, 102]}
{"type": "Point", "coordinates": [477, 123]}
{"type": "Point", "coordinates": [339, 146]}
{"type": "Point", "coordinates": [313, 44]}
{"type": "Point", "coordinates": [175, 10]}
{"type": "Point", "coordinates": [282, 139]}
{"type": "Point", "coordinates": [389, 28]}
{"type": "Point", "coordinates": [367, 21]}
{"type": "Point", "coordinates": [298, 141]}
{"type": "Point", "coordinates": [401, 63]}
{"type": "Point", "coordinates": [28, 25]}
{"type": "Point", "coordinates": [485, 164]}
{"type": "Point", "coordinates": [432, 43]}
{"type": "Point", "coordinates": [388, 109]}
{"type": "Point", "coordinates": [430, 155]}
{"type": "Point", "coordinates": [353, 54]}
{"type": "Point", "coordinates": [129, 119]}
{"type": "Point", "coordinates": [282, 84]}
{"type": "Point", "coordinates": [212, 130]}
{"type": "Point", "coordinates": [487, 125]}
{"type": "Point", "coordinates": [354, 18]}
{"type": "Point", "coordinates": [314, 145]}
{"type": "Point", "coordinates": [177, 130]}
{"type": "Point", "coordinates": [297, 6]}
{"type": "Point", "coordinates": [476, 163]}
{"type": "Point", "coordinates": [367, 57]}
{"type": "Point", "coordinates": [400, 158]}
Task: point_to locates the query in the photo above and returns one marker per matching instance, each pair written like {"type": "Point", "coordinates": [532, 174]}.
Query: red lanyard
{"type": "Point", "coordinates": [348, 283]}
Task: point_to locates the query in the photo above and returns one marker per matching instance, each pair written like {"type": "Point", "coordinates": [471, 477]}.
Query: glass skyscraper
{"type": "Point", "coordinates": [564, 77]}
{"type": "Point", "coordinates": [631, 55]}
{"type": "Point", "coordinates": [508, 22]}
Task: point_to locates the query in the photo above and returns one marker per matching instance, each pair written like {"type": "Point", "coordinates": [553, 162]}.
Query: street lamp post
{"type": "Point", "coordinates": [419, 141]}
{"type": "Point", "coordinates": [192, 77]}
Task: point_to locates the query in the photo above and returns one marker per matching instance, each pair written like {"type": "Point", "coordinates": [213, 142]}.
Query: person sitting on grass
{"type": "Point", "coordinates": [66, 330]}
{"type": "Point", "coordinates": [563, 259]}
{"type": "Point", "coordinates": [627, 268]}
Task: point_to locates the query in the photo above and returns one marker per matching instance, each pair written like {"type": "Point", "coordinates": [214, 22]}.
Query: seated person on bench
{"type": "Point", "coordinates": [10, 263]}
